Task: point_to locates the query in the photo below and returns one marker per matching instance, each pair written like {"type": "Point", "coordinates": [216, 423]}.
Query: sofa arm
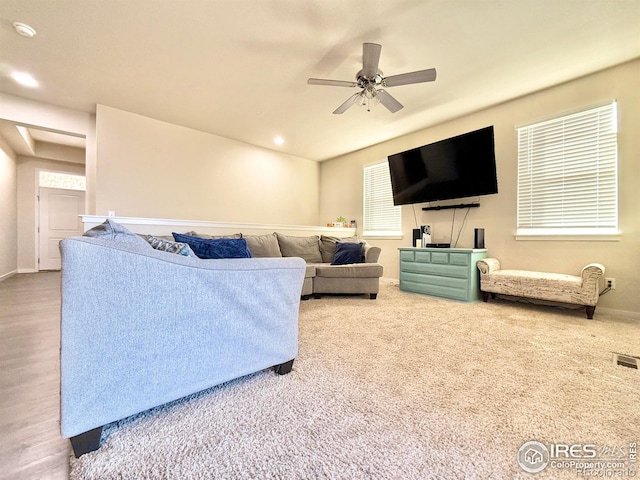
{"type": "Point", "coordinates": [591, 275]}
{"type": "Point", "coordinates": [371, 253]}
{"type": "Point", "coordinates": [593, 270]}
{"type": "Point", "coordinates": [488, 265]}
{"type": "Point", "coordinates": [141, 327]}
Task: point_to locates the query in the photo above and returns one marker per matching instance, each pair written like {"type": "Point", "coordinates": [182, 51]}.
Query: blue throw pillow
{"type": "Point", "coordinates": [215, 247]}
{"type": "Point", "coordinates": [347, 252]}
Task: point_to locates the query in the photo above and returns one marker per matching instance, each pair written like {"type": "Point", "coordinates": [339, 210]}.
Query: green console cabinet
{"type": "Point", "coordinates": [441, 272]}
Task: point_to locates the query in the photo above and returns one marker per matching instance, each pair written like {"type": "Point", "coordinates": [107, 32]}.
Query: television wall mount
{"type": "Point", "coordinates": [448, 207]}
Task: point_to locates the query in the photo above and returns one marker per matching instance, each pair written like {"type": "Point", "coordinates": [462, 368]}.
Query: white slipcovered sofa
{"type": "Point", "coordinates": [556, 287]}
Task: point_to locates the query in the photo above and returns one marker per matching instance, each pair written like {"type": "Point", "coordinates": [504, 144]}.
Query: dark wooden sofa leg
{"type": "Point", "coordinates": [590, 311]}
{"type": "Point", "coordinates": [373, 296]}
{"type": "Point", "coordinates": [86, 442]}
{"type": "Point", "coordinates": [485, 296]}
{"type": "Point", "coordinates": [284, 368]}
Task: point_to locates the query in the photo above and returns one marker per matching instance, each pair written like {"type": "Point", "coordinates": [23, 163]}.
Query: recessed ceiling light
{"type": "Point", "coordinates": [278, 140]}
{"type": "Point", "coordinates": [24, 29]}
{"type": "Point", "coordinates": [24, 79]}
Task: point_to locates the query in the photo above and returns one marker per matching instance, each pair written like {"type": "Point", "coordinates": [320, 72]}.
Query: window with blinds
{"type": "Point", "coordinates": [380, 216]}
{"type": "Point", "coordinates": [568, 174]}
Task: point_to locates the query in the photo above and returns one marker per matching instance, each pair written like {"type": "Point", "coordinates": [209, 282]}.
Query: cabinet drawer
{"type": "Point", "coordinates": [459, 259]}
{"type": "Point", "coordinates": [407, 256]}
{"type": "Point", "coordinates": [438, 289]}
{"type": "Point", "coordinates": [435, 269]}
{"type": "Point", "coordinates": [423, 257]}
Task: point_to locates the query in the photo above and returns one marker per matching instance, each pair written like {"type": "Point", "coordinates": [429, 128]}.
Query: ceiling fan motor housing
{"type": "Point", "coordinates": [374, 81]}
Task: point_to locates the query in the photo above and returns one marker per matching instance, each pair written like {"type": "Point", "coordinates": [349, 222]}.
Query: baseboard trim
{"type": "Point", "coordinates": [27, 270]}
{"type": "Point", "coordinates": [7, 275]}
{"type": "Point", "coordinates": [626, 314]}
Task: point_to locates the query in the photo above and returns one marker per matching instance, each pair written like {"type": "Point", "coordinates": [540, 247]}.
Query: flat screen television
{"type": "Point", "coordinates": [458, 167]}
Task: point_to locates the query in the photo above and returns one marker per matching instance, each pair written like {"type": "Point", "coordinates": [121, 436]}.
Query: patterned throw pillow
{"type": "Point", "coordinates": [169, 246]}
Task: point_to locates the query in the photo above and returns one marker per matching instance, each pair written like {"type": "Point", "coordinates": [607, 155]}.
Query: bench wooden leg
{"type": "Point", "coordinates": [590, 311]}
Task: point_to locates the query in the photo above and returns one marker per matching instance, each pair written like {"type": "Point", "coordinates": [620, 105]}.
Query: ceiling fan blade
{"type": "Point", "coordinates": [388, 101]}
{"type": "Point", "coordinates": [331, 83]}
{"type": "Point", "coordinates": [370, 59]}
{"type": "Point", "coordinates": [350, 101]}
{"type": "Point", "coordinates": [420, 76]}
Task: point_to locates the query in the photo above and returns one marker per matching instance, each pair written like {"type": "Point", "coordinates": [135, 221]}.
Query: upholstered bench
{"type": "Point", "coordinates": [555, 287]}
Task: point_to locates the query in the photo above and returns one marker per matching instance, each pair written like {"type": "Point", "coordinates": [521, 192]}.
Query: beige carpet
{"type": "Point", "coordinates": [403, 387]}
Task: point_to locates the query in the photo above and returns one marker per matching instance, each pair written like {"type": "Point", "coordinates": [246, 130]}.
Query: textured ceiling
{"type": "Point", "coordinates": [238, 68]}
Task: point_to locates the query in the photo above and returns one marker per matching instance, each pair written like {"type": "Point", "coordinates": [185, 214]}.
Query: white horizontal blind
{"type": "Point", "coordinates": [380, 215]}
{"type": "Point", "coordinates": [567, 174]}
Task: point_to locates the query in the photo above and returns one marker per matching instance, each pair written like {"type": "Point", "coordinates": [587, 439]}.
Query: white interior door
{"type": "Point", "coordinates": [58, 216]}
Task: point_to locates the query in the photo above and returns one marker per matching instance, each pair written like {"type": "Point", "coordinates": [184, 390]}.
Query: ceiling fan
{"type": "Point", "coordinates": [370, 78]}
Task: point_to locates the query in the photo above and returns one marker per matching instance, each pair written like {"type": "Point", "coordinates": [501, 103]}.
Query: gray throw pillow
{"type": "Point", "coordinates": [307, 248]}
{"type": "Point", "coordinates": [114, 231]}
{"type": "Point", "coordinates": [263, 246]}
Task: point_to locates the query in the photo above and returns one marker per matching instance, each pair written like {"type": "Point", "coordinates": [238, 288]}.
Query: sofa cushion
{"type": "Point", "coordinates": [263, 245]}
{"type": "Point", "coordinates": [310, 271]}
{"type": "Point", "coordinates": [307, 248]}
{"type": "Point", "coordinates": [354, 270]}
{"type": "Point", "coordinates": [328, 246]}
{"type": "Point", "coordinates": [114, 231]}
{"type": "Point", "coordinates": [171, 247]}
{"type": "Point", "coordinates": [215, 247]}
{"type": "Point", "coordinates": [204, 235]}
{"type": "Point", "coordinates": [347, 253]}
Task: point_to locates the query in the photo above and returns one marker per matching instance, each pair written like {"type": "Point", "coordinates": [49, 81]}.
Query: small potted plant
{"type": "Point", "coordinates": [340, 222]}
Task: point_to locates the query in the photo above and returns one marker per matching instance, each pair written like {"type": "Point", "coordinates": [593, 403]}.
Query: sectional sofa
{"type": "Point", "coordinates": [144, 321]}
{"type": "Point", "coordinates": [326, 272]}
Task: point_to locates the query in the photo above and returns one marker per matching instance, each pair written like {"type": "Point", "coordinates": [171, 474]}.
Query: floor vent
{"type": "Point", "coordinates": [625, 360]}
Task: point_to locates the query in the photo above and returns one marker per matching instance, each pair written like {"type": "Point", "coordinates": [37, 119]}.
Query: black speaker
{"type": "Point", "coordinates": [478, 238]}
{"type": "Point", "coordinates": [416, 237]}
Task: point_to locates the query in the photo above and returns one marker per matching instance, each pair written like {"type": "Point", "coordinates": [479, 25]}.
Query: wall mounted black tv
{"type": "Point", "coordinates": [458, 167]}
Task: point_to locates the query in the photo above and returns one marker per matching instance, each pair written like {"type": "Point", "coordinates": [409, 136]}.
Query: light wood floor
{"type": "Point", "coordinates": [30, 443]}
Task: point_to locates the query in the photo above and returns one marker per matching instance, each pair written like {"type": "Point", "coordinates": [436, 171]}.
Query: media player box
{"type": "Point", "coordinates": [426, 235]}
{"type": "Point", "coordinates": [439, 245]}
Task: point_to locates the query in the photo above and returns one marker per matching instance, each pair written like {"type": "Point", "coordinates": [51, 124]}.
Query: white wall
{"type": "Point", "coordinates": [150, 168]}
{"type": "Point", "coordinates": [497, 213]}
{"type": "Point", "coordinates": [8, 211]}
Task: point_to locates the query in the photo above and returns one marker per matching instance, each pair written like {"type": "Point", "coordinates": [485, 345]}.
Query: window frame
{"type": "Point", "coordinates": [381, 188]}
{"type": "Point", "coordinates": [599, 153]}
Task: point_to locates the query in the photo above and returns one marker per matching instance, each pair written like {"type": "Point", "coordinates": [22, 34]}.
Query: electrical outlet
{"type": "Point", "coordinates": [611, 283]}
